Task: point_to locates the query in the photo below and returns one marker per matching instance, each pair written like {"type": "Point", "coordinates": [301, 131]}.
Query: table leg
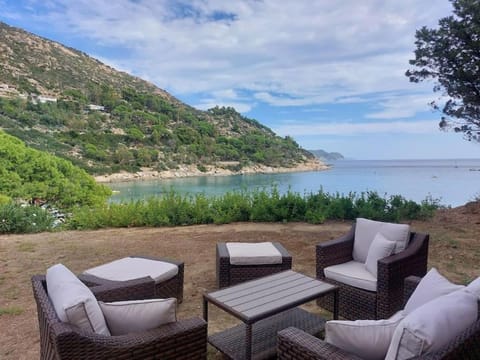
{"type": "Point", "coordinates": [205, 309]}
{"type": "Point", "coordinates": [248, 341]}
{"type": "Point", "coordinates": [335, 304]}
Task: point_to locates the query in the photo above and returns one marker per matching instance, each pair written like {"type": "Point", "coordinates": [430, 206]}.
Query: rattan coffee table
{"type": "Point", "coordinates": [266, 306]}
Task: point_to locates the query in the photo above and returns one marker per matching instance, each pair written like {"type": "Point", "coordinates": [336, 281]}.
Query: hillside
{"type": "Point", "coordinates": [60, 100]}
{"type": "Point", "coordinates": [327, 156]}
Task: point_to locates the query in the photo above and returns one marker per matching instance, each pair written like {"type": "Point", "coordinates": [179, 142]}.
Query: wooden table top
{"type": "Point", "coordinates": [257, 299]}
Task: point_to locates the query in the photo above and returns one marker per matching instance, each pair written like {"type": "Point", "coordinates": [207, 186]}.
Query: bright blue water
{"type": "Point", "coordinates": [453, 182]}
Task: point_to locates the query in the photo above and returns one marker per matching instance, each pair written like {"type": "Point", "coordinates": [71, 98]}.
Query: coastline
{"type": "Point", "coordinates": [192, 171]}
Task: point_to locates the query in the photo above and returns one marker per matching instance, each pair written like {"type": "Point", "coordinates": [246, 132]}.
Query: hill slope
{"type": "Point", "coordinates": [327, 156]}
{"type": "Point", "coordinates": [61, 100]}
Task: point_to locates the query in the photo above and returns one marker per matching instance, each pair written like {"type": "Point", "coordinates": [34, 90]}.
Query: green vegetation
{"type": "Point", "coordinates": [150, 132]}
{"type": "Point", "coordinates": [17, 219]}
{"type": "Point", "coordinates": [27, 173]}
{"type": "Point", "coordinates": [12, 310]}
{"type": "Point", "coordinates": [260, 206]}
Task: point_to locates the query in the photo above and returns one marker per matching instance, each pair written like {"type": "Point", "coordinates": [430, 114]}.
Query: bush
{"type": "Point", "coordinates": [24, 219]}
{"type": "Point", "coordinates": [173, 209]}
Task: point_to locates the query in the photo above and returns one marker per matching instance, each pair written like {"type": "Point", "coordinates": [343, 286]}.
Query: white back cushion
{"type": "Point", "coordinates": [474, 287]}
{"type": "Point", "coordinates": [432, 285]}
{"type": "Point", "coordinates": [125, 317]}
{"type": "Point", "coordinates": [130, 268]}
{"type": "Point", "coordinates": [368, 339]}
{"type": "Point", "coordinates": [253, 253]}
{"type": "Point", "coordinates": [73, 301]}
{"type": "Point", "coordinates": [365, 231]}
{"type": "Point", "coordinates": [379, 248]}
{"type": "Point", "coordinates": [433, 325]}
{"type": "Point", "coordinates": [352, 273]}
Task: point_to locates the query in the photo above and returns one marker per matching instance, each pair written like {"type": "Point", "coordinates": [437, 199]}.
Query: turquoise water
{"type": "Point", "coordinates": [453, 182]}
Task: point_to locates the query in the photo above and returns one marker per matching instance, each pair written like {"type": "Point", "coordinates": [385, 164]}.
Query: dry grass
{"type": "Point", "coordinates": [454, 250]}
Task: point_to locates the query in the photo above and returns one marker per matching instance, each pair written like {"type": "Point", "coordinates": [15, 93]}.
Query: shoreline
{"type": "Point", "coordinates": [184, 171]}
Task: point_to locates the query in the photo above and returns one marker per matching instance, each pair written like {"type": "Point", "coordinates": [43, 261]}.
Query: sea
{"type": "Point", "coordinates": [453, 182]}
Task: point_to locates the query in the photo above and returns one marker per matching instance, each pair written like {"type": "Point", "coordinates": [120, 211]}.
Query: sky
{"type": "Point", "coordinates": [328, 73]}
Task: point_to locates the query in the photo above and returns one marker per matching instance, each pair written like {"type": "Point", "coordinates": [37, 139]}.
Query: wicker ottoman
{"type": "Point", "coordinates": [230, 274]}
{"type": "Point", "coordinates": [167, 274]}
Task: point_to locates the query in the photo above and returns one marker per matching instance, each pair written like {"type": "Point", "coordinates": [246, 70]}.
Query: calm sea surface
{"type": "Point", "coordinates": [453, 182]}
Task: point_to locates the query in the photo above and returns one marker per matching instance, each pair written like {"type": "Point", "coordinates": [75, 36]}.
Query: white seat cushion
{"type": "Point", "coordinates": [432, 286]}
{"type": "Point", "coordinates": [131, 268]}
{"type": "Point", "coordinates": [368, 339]}
{"type": "Point", "coordinates": [433, 325]}
{"type": "Point", "coordinates": [125, 317]}
{"type": "Point", "coordinates": [352, 273]}
{"type": "Point", "coordinates": [365, 231]}
{"type": "Point", "coordinates": [73, 301]}
{"type": "Point", "coordinates": [253, 253]}
{"type": "Point", "coordinates": [380, 248]}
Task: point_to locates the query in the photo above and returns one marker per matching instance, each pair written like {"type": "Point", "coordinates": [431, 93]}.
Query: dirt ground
{"type": "Point", "coordinates": [454, 250]}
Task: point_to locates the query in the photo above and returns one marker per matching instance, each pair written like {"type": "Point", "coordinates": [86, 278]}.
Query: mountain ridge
{"type": "Point", "coordinates": [61, 100]}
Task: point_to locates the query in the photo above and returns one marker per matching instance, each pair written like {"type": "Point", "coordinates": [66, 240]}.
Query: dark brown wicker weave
{"type": "Point", "coordinates": [228, 274]}
{"type": "Point", "coordinates": [357, 303]}
{"type": "Point", "coordinates": [169, 288]}
{"type": "Point", "coordinates": [184, 339]}
{"type": "Point", "coordinates": [294, 344]}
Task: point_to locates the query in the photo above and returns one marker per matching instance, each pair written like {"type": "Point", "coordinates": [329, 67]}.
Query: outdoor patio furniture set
{"type": "Point", "coordinates": [375, 278]}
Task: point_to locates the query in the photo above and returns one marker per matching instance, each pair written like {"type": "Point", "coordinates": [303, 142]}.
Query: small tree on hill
{"type": "Point", "coordinates": [450, 55]}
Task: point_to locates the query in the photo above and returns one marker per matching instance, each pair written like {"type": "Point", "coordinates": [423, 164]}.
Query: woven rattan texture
{"type": "Point", "coordinates": [184, 339]}
{"type": "Point", "coordinates": [264, 333]}
{"type": "Point", "coordinates": [357, 303]}
{"type": "Point", "coordinates": [228, 274]}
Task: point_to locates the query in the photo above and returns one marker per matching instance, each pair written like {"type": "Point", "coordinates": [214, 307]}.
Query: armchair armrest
{"type": "Point", "coordinates": [393, 270]}
{"type": "Point", "coordinates": [296, 344]}
{"type": "Point", "coordinates": [286, 257]}
{"type": "Point", "coordinates": [222, 265]}
{"type": "Point", "coordinates": [409, 287]}
{"type": "Point", "coordinates": [334, 252]}
{"type": "Point", "coordinates": [179, 340]}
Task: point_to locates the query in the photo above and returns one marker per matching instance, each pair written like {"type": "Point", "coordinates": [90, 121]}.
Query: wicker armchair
{"type": "Point", "coordinates": [228, 274]}
{"type": "Point", "coordinates": [294, 344]}
{"type": "Point", "coordinates": [356, 303]}
{"type": "Point", "coordinates": [184, 339]}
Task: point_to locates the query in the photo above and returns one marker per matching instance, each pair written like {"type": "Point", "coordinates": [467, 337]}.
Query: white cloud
{"type": "Point", "coordinates": [402, 106]}
{"type": "Point", "coordinates": [283, 53]}
{"type": "Point", "coordinates": [342, 129]}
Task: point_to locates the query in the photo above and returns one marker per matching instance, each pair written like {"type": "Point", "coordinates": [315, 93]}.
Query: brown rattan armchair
{"type": "Point", "coordinates": [356, 303]}
{"type": "Point", "coordinates": [184, 339]}
{"type": "Point", "coordinates": [294, 344]}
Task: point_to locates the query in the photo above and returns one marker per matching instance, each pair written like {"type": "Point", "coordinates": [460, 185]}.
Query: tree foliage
{"type": "Point", "coordinates": [450, 55]}
{"type": "Point", "coordinates": [28, 173]}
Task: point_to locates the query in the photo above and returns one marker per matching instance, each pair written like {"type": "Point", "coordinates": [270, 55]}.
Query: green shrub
{"type": "Point", "coordinates": [24, 219]}
{"type": "Point", "coordinates": [4, 199]}
{"type": "Point", "coordinates": [173, 209]}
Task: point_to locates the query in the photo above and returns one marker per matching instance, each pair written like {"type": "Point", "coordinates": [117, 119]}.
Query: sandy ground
{"type": "Point", "coordinates": [454, 250]}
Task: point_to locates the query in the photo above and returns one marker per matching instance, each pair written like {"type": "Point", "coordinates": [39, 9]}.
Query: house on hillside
{"type": "Point", "coordinates": [44, 99]}
{"type": "Point", "coordinates": [94, 107]}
